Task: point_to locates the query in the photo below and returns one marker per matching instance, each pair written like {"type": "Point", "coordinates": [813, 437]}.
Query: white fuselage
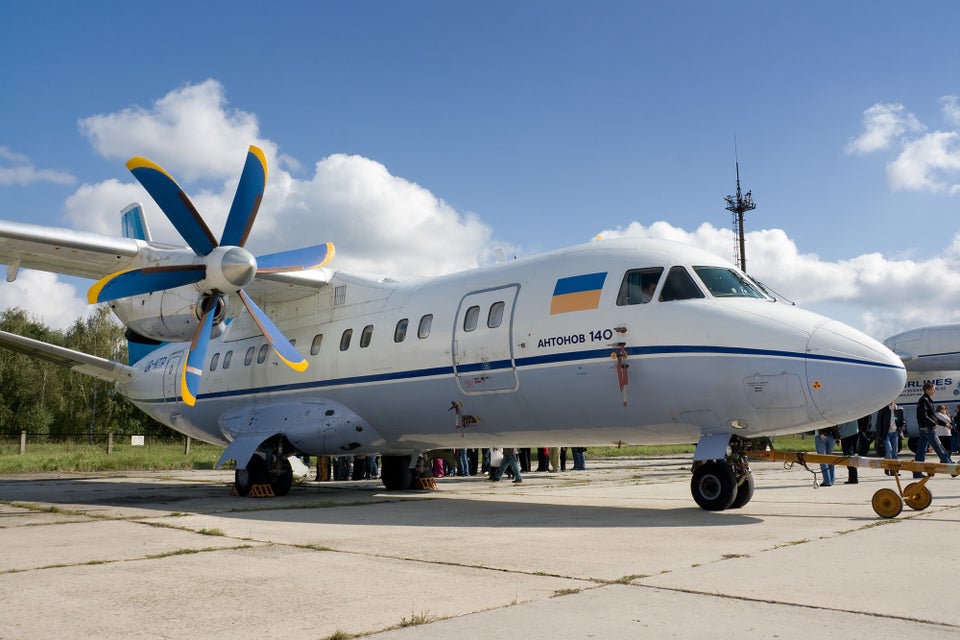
{"type": "Point", "coordinates": [688, 367]}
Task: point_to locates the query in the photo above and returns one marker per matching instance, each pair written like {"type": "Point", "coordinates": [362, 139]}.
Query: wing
{"type": "Point", "coordinates": [93, 255]}
{"type": "Point", "coordinates": [66, 251]}
{"type": "Point", "coordinates": [77, 361]}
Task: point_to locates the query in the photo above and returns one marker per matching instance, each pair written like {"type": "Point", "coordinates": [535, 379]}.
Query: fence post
{"type": "Point", "coordinates": [110, 443]}
{"type": "Point", "coordinates": [23, 442]}
{"type": "Point", "coordinates": [186, 447]}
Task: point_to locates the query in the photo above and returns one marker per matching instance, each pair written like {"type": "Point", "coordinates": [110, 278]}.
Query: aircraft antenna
{"type": "Point", "coordinates": [738, 205]}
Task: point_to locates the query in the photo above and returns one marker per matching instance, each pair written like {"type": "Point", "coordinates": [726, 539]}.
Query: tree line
{"type": "Point", "coordinates": [51, 402]}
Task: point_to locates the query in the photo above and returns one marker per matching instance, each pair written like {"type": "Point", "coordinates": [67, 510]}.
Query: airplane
{"type": "Point", "coordinates": [279, 355]}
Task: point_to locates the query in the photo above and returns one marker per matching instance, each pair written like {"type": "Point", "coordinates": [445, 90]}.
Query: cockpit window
{"type": "Point", "coordinates": [679, 286]}
{"type": "Point", "coordinates": [638, 286]}
{"type": "Point", "coordinates": [723, 282]}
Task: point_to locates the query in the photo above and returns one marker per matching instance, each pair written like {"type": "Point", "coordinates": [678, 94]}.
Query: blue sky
{"type": "Point", "coordinates": [421, 136]}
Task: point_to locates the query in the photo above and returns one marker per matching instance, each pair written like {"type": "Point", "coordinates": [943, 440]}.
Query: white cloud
{"type": "Point", "coordinates": [189, 129]}
{"type": "Point", "coordinates": [924, 161]}
{"type": "Point", "coordinates": [45, 298]}
{"type": "Point", "coordinates": [883, 125]}
{"type": "Point", "coordinates": [16, 169]}
{"type": "Point", "coordinates": [927, 164]}
{"type": "Point", "coordinates": [951, 109]}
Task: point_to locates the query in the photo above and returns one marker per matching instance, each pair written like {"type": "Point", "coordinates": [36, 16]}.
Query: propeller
{"type": "Point", "coordinates": [220, 268]}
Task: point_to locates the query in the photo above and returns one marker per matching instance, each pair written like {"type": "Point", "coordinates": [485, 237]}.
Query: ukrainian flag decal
{"type": "Point", "coordinates": [577, 293]}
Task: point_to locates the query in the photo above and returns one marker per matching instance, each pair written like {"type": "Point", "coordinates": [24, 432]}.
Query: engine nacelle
{"type": "Point", "coordinates": [172, 315]}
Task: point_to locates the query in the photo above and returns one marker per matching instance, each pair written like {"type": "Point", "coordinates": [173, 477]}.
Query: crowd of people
{"type": "Point", "coordinates": [492, 462]}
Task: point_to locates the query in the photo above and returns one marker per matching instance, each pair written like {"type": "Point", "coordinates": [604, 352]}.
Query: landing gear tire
{"type": "Point", "coordinates": [917, 496]}
{"type": "Point", "coordinates": [714, 486]}
{"type": "Point", "coordinates": [255, 473]}
{"type": "Point", "coordinates": [744, 491]}
{"type": "Point", "coordinates": [284, 479]}
{"type": "Point", "coordinates": [395, 473]}
{"type": "Point", "coordinates": [887, 503]}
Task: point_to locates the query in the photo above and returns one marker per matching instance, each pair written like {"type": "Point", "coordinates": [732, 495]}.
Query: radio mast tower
{"type": "Point", "coordinates": [738, 205]}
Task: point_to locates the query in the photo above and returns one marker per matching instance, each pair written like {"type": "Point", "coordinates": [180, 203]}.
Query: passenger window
{"type": "Point", "coordinates": [679, 286]}
{"type": "Point", "coordinates": [248, 359]}
{"type": "Point", "coordinates": [723, 282]}
{"type": "Point", "coordinates": [400, 333]}
{"type": "Point", "coordinates": [495, 317]}
{"type": "Point", "coordinates": [214, 360]}
{"type": "Point", "coordinates": [365, 336]}
{"type": "Point", "coordinates": [424, 329]}
{"type": "Point", "coordinates": [315, 345]}
{"type": "Point", "coordinates": [227, 358]}
{"type": "Point", "coordinates": [471, 317]}
{"type": "Point", "coordinates": [638, 286]}
{"type": "Point", "coordinates": [262, 354]}
{"type": "Point", "coordinates": [345, 339]}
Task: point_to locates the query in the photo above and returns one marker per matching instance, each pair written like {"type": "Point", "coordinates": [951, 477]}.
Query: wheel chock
{"type": "Point", "coordinates": [261, 491]}
{"type": "Point", "coordinates": [256, 491]}
{"type": "Point", "coordinates": [429, 484]}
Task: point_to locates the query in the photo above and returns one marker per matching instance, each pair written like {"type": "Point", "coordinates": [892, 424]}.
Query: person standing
{"type": "Point", "coordinates": [889, 431]}
{"type": "Point", "coordinates": [927, 422]}
{"type": "Point", "coordinates": [824, 441]}
{"type": "Point", "coordinates": [944, 427]}
{"type": "Point", "coordinates": [849, 435]}
{"type": "Point", "coordinates": [509, 460]}
{"type": "Point", "coordinates": [579, 463]}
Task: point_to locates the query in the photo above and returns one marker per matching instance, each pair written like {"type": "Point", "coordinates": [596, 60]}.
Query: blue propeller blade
{"type": "Point", "coordinates": [296, 259]}
{"type": "Point", "coordinates": [140, 281]}
{"type": "Point", "coordinates": [193, 367]}
{"type": "Point", "coordinates": [246, 202]}
{"type": "Point", "coordinates": [274, 336]}
{"type": "Point", "coordinates": [174, 203]}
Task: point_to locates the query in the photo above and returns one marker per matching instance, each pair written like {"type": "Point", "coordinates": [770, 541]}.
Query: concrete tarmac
{"type": "Point", "coordinates": [618, 551]}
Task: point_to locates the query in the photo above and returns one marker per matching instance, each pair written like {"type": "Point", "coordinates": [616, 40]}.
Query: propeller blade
{"type": "Point", "coordinates": [274, 336]}
{"type": "Point", "coordinates": [174, 203]}
{"type": "Point", "coordinates": [296, 259]}
{"type": "Point", "coordinates": [246, 202]}
{"type": "Point", "coordinates": [135, 282]}
{"type": "Point", "coordinates": [193, 367]}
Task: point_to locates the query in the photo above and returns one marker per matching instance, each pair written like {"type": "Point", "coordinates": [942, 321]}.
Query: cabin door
{"type": "Point", "coordinates": [483, 341]}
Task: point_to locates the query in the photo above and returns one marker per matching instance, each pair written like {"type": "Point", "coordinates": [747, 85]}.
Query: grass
{"type": "Point", "coordinates": [157, 456]}
{"type": "Point", "coordinates": [66, 457]}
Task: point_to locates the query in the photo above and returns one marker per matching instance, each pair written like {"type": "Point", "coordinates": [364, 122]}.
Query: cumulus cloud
{"type": "Point", "coordinates": [883, 124]}
{"type": "Point", "coordinates": [923, 160]}
{"type": "Point", "coordinates": [16, 169]}
{"type": "Point", "coordinates": [46, 298]}
{"type": "Point", "coordinates": [875, 293]}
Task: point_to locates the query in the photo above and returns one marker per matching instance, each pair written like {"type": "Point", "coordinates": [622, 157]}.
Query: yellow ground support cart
{"type": "Point", "coordinates": [887, 503]}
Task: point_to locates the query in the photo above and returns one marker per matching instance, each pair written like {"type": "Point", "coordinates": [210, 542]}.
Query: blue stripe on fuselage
{"type": "Point", "coordinates": [553, 358]}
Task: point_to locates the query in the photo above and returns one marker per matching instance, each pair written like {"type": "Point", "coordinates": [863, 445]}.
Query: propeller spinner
{"type": "Point", "coordinates": [219, 269]}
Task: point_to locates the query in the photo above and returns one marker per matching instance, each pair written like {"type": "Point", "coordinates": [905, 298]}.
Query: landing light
{"type": "Point", "coordinates": [739, 424]}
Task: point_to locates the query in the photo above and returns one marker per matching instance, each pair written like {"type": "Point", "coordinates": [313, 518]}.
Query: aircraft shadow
{"type": "Point", "coordinates": [354, 503]}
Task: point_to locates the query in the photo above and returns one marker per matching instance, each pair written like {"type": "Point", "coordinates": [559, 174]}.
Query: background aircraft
{"type": "Point", "coordinates": [275, 355]}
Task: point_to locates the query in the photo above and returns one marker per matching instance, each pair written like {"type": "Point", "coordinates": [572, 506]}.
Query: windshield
{"type": "Point", "coordinates": [727, 283]}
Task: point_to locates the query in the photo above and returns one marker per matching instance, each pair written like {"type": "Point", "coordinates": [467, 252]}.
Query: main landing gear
{"type": "Point", "coordinates": [717, 485]}
{"type": "Point", "coordinates": [268, 466]}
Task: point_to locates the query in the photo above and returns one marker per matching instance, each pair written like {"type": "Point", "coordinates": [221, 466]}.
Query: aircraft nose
{"type": "Point", "coordinates": [849, 374]}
